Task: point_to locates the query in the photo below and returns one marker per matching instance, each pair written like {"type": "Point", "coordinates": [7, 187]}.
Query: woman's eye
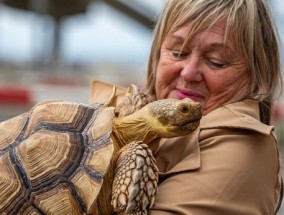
{"type": "Point", "coordinates": [216, 63]}
{"type": "Point", "coordinates": [179, 54]}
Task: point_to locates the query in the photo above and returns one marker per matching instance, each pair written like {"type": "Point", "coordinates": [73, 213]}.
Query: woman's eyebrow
{"type": "Point", "coordinates": [221, 45]}
{"type": "Point", "coordinates": [177, 38]}
{"type": "Point", "coordinates": [218, 45]}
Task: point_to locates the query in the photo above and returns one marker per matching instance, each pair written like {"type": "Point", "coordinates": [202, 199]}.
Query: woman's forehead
{"type": "Point", "coordinates": [193, 28]}
{"type": "Point", "coordinates": [189, 33]}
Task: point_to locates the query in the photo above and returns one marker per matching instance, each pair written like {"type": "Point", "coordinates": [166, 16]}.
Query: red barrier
{"type": "Point", "coordinates": [15, 95]}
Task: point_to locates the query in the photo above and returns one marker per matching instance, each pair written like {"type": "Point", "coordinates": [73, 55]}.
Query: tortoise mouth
{"type": "Point", "coordinates": [190, 121]}
{"type": "Point", "coordinates": [190, 126]}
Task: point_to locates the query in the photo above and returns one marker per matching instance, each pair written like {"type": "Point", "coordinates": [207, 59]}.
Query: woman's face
{"type": "Point", "coordinates": [205, 70]}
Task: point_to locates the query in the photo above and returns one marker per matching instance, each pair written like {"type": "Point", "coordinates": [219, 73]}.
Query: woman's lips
{"type": "Point", "coordinates": [184, 93]}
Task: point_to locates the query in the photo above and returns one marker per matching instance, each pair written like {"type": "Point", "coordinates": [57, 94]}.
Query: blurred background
{"type": "Point", "coordinates": [50, 49]}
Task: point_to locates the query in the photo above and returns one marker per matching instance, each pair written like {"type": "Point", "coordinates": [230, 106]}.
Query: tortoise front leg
{"type": "Point", "coordinates": [135, 180]}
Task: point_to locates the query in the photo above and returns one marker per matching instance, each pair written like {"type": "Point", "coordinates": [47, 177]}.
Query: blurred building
{"type": "Point", "coordinates": [51, 49]}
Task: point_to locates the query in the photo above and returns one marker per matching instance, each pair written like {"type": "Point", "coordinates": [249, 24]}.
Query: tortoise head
{"type": "Point", "coordinates": [159, 119]}
{"type": "Point", "coordinates": [172, 118]}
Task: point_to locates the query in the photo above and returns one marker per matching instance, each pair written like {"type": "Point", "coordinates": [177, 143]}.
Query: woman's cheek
{"type": "Point", "coordinates": [165, 80]}
{"type": "Point", "coordinates": [159, 85]}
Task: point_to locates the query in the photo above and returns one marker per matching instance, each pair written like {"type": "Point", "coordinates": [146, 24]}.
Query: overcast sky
{"type": "Point", "coordinates": [102, 34]}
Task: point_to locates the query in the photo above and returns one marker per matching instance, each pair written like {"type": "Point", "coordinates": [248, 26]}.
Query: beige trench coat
{"type": "Point", "coordinates": [229, 166]}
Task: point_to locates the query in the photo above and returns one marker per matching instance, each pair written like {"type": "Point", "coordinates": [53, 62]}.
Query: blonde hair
{"type": "Point", "coordinates": [249, 21]}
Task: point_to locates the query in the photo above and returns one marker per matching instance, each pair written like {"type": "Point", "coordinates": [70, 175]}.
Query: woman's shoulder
{"type": "Point", "coordinates": [242, 115]}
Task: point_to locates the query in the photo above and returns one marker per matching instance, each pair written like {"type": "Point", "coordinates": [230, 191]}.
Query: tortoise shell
{"type": "Point", "coordinates": [55, 155]}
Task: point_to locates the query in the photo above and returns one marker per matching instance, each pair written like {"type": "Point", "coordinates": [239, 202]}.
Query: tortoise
{"type": "Point", "coordinates": [70, 158]}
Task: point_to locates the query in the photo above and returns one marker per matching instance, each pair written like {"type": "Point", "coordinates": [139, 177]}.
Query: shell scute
{"type": "Point", "coordinates": [99, 158]}
{"type": "Point", "coordinates": [30, 210]}
{"type": "Point", "coordinates": [61, 116]}
{"type": "Point", "coordinates": [59, 200]}
{"type": "Point", "coordinates": [47, 154]}
{"type": "Point", "coordinates": [49, 160]}
{"type": "Point", "coordinates": [11, 129]}
{"type": "Point", "coordinates": [12, 193]}
{"type": "Point", "coordinates": [101, 126]}
{"type": "Point", "coordinates": [87, 188]}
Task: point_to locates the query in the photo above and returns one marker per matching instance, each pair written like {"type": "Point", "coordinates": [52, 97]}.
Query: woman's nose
{"type": "Point", "coordinates": [191, 71]}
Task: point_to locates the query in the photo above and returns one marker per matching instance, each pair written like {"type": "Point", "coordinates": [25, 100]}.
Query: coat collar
{"type": "Point", "coordinates": [241, 115]}
{"type": "Point", "coordinates": [183, 153]}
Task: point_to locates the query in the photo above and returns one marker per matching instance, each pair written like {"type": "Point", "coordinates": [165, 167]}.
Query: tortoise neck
{"type": "Point", "coordinates": [134, 127]}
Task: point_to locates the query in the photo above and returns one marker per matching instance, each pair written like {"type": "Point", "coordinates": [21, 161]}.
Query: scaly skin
{"type": "Point", "coordinates": [133, 100]}
{"type": "Point", "coordinates": [159, 119]}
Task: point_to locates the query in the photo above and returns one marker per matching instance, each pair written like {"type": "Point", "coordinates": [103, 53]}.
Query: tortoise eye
{"type": "Point", "coordinates": [184, 109]}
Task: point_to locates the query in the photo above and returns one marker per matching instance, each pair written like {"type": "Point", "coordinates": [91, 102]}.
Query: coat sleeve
{"type": "Point", "coordinates": [239, 174]}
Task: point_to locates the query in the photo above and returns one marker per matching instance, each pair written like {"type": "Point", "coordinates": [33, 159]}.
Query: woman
{"type": "Point", "coordinates": [223, 54]}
